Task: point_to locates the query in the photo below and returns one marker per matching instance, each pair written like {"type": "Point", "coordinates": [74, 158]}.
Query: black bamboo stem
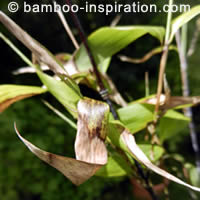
{"type": "Point", "coordinates": [104, 93]}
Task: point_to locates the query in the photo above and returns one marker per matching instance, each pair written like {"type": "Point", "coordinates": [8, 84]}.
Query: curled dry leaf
{"type": "Point", "coordinates": [173, 101]}
{"type": "Point", "coordinates": [71, 67]}
{"type": "Point", "coordinates": [129, 140]}
{"type": "Point", "coordinates": [62, 57]}
{"type": "Point", "coordinates": [92, 131]}
{"type": "Point", "coordinates": [27, 70]}
{"type": "Point", "coordinates": [4, 105]}
{"type": "Point", "coordinates": [90, 149]}
{"type": "Point", "coordinates": [76, 171]}
{"type": "Point", "coordinates": [153, 100]}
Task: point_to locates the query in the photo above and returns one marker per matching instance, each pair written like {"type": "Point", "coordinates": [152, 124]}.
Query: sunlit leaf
{"type": "Point", "coordinates": [115, 167]}
{"type": "Point", "coordinates": [171, 123]}
{"type": "Point", "coordinates": [10, 94]}
{"type": "Point", "coordinates": [66, 95]}
{"type": "Point", "coordinates": [107, 41]}
{"type": "Point", "coordinates": [114, 135]}
{"type": "Point", "coordinates": [154, 152]}
{"type": "Point", "coordinates": [136, 116]}
{"type": "Point", "coordinates": [193, 174]}
{"type": "Point", "coordinates": [183, 19]}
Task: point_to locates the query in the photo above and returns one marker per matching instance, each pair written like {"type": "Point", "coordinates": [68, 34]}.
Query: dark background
{"type": "Point", "coordinates": [25, 177]}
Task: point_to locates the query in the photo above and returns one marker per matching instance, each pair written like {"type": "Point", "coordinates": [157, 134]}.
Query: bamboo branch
{"type": "Point", "coordinates": [103, 91]}
{"type": "Point", "coordinates": [104, 94]}
{"type": "Point", "coordinates": [164, 57]}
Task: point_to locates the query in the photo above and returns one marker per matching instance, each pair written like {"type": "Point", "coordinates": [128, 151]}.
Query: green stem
{"type": "Point", "coordinates": [61, 115]}
{"type": "Point", "coordinates": [168, 26]}
{"type": "Point", "coordinates": [16, 50]}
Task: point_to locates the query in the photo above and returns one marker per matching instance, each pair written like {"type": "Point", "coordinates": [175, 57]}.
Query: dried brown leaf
{"type": "Point", "coordinates": [5, 104]}
{"type": "Point", "coordinates": [76, 171]}
{"type": "Point", "coordinates": [173, 101]}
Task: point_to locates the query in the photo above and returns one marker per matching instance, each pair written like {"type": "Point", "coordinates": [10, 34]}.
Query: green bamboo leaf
{"type": "Point", "coordinates": [114, 132]}
{"type": "Point", "coordinates": [115, 167]}
{"type": "Point", "coordinates": [62, 91]}
{"type": "Point", "coordinates": [154, 153]}
{"type": "Point", "coordinates": [10, 94]}
{"type": "Point", "coordinates": [183, 19]}
{"type": "Point", "coordinates": [136, 116]}
{"type": "Point", "coordinates": [193, 174]}
{"type": "Point", "coordinates": [114, 136]}
{"type": "Point", "coordinates": [107, 41]}
{"type": "Point", "coordinates": [171, 124]}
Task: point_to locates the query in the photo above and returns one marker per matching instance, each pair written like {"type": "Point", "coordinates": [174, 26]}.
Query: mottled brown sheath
{"type": "Point", "coordinates": [92, 130]}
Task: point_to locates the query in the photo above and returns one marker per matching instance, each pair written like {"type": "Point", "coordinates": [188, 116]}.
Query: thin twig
{"type": "Point", "coordinates": [116, 20]}
{"type": "Point", "coordinates": [195, 38]}
{"type": "Point", "coordinates": [161, 77]}
{"type": "Point", "coordinates": [67, 28]}
{"type": "Point", "coordinates": [147, 90]}
{"type": "Point", "coordinates": [146, 57]}
{"type": "Point", "coordinates": [186, 93]}
{"type": "Point", "coordinates": [164, 58]}
{"type": "Point", "coordinates": [61, 115]}
{"type": "Point", "coordinates": [85, 43]}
